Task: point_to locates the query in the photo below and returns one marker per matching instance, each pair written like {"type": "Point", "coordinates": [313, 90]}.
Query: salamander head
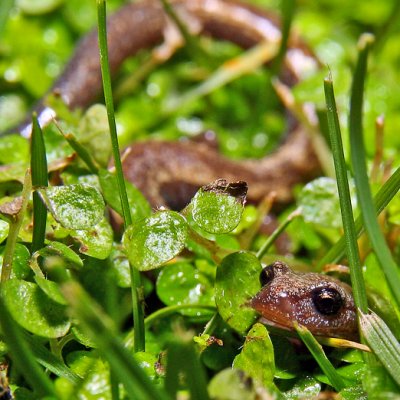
{"type": "Point", "coordinates": [321, 303]}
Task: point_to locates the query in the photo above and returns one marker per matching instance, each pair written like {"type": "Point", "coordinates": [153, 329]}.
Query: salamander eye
{"type": "Point", "coordinates": [267, 275]}
{"type": "Point", "coordinates": [327, 301]}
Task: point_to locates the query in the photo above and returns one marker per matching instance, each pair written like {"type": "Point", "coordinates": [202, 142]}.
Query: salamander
{"type": "Point", "coordinates": [168, 173]}
{"type": "Point", "coordinates": [321, 303]}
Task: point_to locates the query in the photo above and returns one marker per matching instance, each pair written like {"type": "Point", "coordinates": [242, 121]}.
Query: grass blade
{"type": "Point", "coordinates": [358, 158]}
{"type": "Point", "coordinates": [39, 179]}
{"type": "Point", "coordinates": [287, 10]}
{"type": "Point", "coordinates": [353, 256]}
{"type": "Point", "coordinates": [136, 282]}
{"type": "Point", "coordinates": [382, 342]}
{"type": "Point", "coordinates": [320, 357]}
{"type": "Point", "coordinates": [384, 196]}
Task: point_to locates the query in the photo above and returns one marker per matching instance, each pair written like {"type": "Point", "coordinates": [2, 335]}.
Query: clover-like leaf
{"type": "Point", "coordinates": [155, 240]}
{"type": "Point", "coordinates": [34, 310]}
{"type": "Point", "coordinates": [76, 206]}
{"type": "Point", "coordinates": [97, 241]}
{"type": "Point", "coordinates": [139, 206]}
{"type": "Point", "coordinates": [319, 202]}
{"type": "Point", "coordinates": [218, 207]}
{"type": "Point", "coordinates": [236, 283]}
{"type": "Point", "coordinates": [181, 283]}
{"type": "Point", "coordinates": [257, 356]}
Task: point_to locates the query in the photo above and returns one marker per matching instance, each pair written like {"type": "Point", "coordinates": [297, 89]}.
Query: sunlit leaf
{"type": "Point", "coordinates": [181, 283]}
{"type": "Point", "coordinates": [74, 206]}
{"type": "Point", "coordinates": [236, 283]}
{"type": "Point", "coordinates": [34, 310]}
{"type": "Point", "coordinates": [97, 241]}
{"type": "Point", "coordinates": [257, 356]}
{"type": "Point", "coordinates": [155, 240]}
{"type": "Point", "coordinates": [218, 207]}
{"type": "Point", "coordinates": [139, 206]}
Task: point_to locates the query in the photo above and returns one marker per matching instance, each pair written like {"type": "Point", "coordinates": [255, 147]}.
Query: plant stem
{"type": "Point", "coordinates": [166, 311]}
{"type": "Point", "coordinates": [136, 284]}
{"type": "Point", "coordinates": [15, 226]}
{"type": "Point", "coordinates": [271, 239]}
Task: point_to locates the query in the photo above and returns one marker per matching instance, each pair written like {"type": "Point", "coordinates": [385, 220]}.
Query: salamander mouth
{"type": "Point", "coordinates": [279, 323]}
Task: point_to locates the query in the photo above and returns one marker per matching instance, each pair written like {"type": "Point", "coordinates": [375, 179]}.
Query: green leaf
{"type": "Point", "coordinates": [231, 384]}
{"type": "Point", "coordinates": [304, 388]}
{"type": "Point", "coordinates": [96, 242]}
{"type": "Point", "coordinates": [139, 206]}
{"type": "Point", "coordinates": [155, 240]}
{"type": "Point", "coordinates": [257, 356]}
{"type": "Point", "coordinates": [20, 263]}
{"type": "Point", "coordinates": [62, 250]}
{"type": "Point", "coordinates": [319, 202]}
{"type": "Point", "coordinates": [34, 310]}
{"type": "Point", "coordinates": [96, 373]}
{"type": "Point", "coordinates": [51, 289]}
{"type": "Point", "coordinates": [218, 207]}
{"type": "Point", "coordinates": [94, 133]}
{"type": "Point", "coordinates": [287, 365]}
{"type": "Point", "coordinates": [181, 283]}
{"type": "Point", "coordinates": [74, 206]}
{"type": "Point", "coordinates": [14, 149]}
{"type": "Point", "coordinates": [236, 283]}
{"type": "Point", "coordinates": [147, 362]}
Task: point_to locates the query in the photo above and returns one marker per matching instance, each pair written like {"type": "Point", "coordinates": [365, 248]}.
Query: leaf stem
{"type": "Point", "coordinates": [271, 239]}
{"type": "Point", "coordinates": [166, 311]}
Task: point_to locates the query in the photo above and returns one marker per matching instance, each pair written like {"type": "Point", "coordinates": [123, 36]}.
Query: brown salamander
{"type": "Point", "coordinates": [169, 173]}
{"type": "Point", "coordinates": [321, 303]}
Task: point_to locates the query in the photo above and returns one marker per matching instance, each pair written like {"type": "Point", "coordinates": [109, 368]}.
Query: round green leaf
{"type": "Point", "coordinates": [257, 356]}
{"type": "Point", "coordinates": [96, 242]}
{"type": "Point", "coordinates": [231, 384]}
{"type": "Point", "coordinates": [139, 206]}
{"type": "Point", "coordinates": [155, 240]}
{"type": "Point", "coordinates": [236, 283]}
{"type": "Point", "coordinates": [20, 263]}
{"type": "Point", "coordinates": [319, 202]}
{"type": "Point", "coordinates": [74, 206]}
{"type": "Point", "coordinates": [216, 211]}
{"type": "Point", "coordinates": [51, 289]}
{"type": "Point", "coordinates": [181, 283]}
{"type": "Point", "coordinates": [34, 310]}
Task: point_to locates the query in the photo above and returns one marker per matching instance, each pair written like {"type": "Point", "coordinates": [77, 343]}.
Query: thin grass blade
{"type": "Point", "coordinates": [358, 158]}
